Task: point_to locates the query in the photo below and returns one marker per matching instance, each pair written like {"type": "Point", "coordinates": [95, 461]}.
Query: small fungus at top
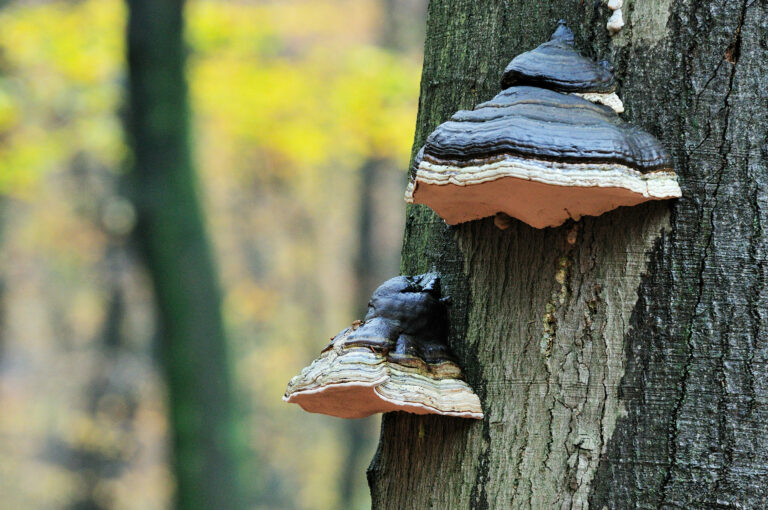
{"type": "Point", "coordinates": [540, 151]}
{"type": "Point", "coordinates": [397, 359]}
{"type": "Point", "coordinates": [557, 65]}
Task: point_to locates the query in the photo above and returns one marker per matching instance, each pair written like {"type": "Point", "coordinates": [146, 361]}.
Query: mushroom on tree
{"type": "Point", "coordinates": [538, 154]}
{"type": "Point", "coordinates": [396, 359]}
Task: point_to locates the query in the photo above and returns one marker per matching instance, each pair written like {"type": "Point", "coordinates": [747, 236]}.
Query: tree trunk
{"type": "Point", "coordinates": [172, 236]}
{"type": "Point", "coordinates": [621, 360]}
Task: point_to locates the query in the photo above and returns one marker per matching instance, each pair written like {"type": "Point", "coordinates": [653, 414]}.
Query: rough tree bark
{"type": "Point", "coordinates": [625, 369]}
{"type": "Point", "coordinates": [171, 234]}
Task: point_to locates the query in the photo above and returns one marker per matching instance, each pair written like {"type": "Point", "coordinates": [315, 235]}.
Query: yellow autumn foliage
{"type": "Point", "coordinates": [289, 99]}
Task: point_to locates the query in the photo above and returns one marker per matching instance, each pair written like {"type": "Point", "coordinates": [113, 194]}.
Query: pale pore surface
{"type": "Point", "coordinates": [610, 100]}
{"type": "Point", "coordinates": [615, 22]}
{"type": "Point", "coordinates": [358, 382]}
{"type": "Point", "coordinates": [542, 194]}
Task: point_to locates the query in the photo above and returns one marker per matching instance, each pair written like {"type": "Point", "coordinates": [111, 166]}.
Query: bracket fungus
{"type": "Point", "coordinates": [538, 151]}
{"type": "Point", "coordinates": [396, 359]}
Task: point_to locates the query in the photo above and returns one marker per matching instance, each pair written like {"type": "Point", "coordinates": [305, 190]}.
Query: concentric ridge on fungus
{"type": "Point", "coordinates": [538, 154]}
{"type": "Point", "coordinates": [395, 360]}
{"type": "Point", "coordinates": [557, 65]}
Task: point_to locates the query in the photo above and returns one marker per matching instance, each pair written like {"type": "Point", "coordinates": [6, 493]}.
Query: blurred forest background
{"type": "Point", "coordinates": [302, 122]}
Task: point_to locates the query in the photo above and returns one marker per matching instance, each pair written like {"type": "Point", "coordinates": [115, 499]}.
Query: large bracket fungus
{"type": "Point", "coordinates": [540, 151]}
{"type": "Point", "coordinates": [396, 359]}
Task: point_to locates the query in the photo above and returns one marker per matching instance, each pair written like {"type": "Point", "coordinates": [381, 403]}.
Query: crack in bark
{"type": "Point", "coordinates": [691, 152]}
{"type": "Point", "coordinates": [551, 418]}
{"type": "Point", "coordinates": [524, 446]}
{"type": "Point", "coordinates": [479, 495]}
{"type": "Point", "coordinates": [714, 75]}
{"type": "Point", "coordinates": [724, 438]}
{"type": "Point", "coordinates": [754, 297]}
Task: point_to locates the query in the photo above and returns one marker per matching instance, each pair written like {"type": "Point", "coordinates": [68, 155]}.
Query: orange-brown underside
{"type": "Point", "coordinates": [537, 204]}
{"type": "Point", "coordinates": [350, 401]}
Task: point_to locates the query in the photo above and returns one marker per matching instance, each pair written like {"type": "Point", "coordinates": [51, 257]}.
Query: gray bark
{"type": "Point", "coordinates": [621, 360]}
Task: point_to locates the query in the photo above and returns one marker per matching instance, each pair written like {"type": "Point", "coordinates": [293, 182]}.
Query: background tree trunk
{"type": "Point", "coordinates": [626, 369]}
{"type": "Point", "coordinates": [94, 464]}
{"type": "Point", "coordinates": [172, 236]}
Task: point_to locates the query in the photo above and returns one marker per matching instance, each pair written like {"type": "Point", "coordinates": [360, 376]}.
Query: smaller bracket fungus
{"type": "Point", "coordinates": [396, 359]}
{"type": "Point", "coordinates": [539, 154]}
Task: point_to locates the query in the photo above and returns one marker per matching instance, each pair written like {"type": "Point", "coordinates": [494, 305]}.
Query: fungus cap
{"type": "Point", "coordinates": [396, 359]}
{"type": "Point", "coordinates": [557, 65]}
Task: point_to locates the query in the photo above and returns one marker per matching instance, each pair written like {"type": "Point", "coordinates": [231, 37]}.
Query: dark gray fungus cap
{"type": "Point", "coordinates": [557, 65]}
